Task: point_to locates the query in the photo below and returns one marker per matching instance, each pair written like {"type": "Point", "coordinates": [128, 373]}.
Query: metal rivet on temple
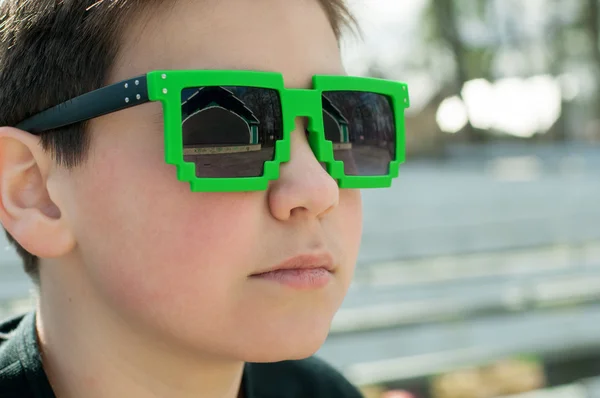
{"type": "Point", "coordinates": [137, 82]}
{"type": "Point", "coordinates": [165, 91]}
{"type": "Point", "coordinates": [126, 85]}
{"type": "Point", "coordinates": [127, 99]}
{"type": "Point", "coordinates": [138, 96]}
{"type": "Point", "coordinates": [164, 75]}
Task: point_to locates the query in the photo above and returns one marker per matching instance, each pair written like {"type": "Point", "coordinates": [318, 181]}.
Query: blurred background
{"type": "Point", "coordinates": [479, 273]}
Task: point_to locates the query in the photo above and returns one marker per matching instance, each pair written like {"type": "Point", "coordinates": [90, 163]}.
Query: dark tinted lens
{"type": "Point", "coordinates": [230, 131]}
{"type": "Point", "coordinates": [363, 131]}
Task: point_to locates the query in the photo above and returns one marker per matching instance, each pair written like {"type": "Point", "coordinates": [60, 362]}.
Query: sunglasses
{"type": "Point", "coordinates": [229, 131]}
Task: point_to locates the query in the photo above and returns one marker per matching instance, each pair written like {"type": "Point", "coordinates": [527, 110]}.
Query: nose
{"type": "Point", "coordinates": [304, 188]}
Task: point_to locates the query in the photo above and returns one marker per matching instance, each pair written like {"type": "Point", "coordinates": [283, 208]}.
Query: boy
{"type": "Point", "coordinates": [214, 278]}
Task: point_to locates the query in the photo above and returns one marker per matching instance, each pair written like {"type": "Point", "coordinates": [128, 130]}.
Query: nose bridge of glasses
{"type": "Point", "coordinates": [307, 104]}
{"type": "Point", "coordinates": [303, 103]}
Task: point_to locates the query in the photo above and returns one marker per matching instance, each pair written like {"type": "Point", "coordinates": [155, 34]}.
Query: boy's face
{"type": "Point", "coordinates": [179, 263]}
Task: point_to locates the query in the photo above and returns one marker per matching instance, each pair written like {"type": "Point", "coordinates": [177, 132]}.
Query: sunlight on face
{"type": "Point", "coordinates": [179, 263]}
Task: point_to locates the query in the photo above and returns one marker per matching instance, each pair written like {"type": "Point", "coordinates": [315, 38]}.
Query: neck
{"type": "Point", "coordinates": [88, 351]}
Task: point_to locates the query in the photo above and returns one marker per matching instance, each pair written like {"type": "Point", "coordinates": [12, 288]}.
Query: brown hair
{"type": "Point", "coordinates": [67, 47]}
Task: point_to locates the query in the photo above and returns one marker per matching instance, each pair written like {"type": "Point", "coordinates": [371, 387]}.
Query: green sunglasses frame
{"type": "Point", "coordinates": [166, 86]}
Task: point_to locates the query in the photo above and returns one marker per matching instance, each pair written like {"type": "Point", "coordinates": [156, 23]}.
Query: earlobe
{"type": "Point", "coordinates": [27, 211]}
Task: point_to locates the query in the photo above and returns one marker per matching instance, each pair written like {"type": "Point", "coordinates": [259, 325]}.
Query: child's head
{"type": "Point", "coordinates": [117, 235]}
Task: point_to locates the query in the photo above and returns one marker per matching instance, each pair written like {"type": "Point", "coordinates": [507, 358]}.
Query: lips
{"type": "Point", "coordinates": [304, 262]}
{"type": "Point", "coordinates": [302, 272]}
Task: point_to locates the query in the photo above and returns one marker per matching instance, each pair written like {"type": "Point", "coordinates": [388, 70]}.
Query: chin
{"type": "Point", "coordinates": [291, 347]}
{"type": "Point", "coordinates": [273, 354]}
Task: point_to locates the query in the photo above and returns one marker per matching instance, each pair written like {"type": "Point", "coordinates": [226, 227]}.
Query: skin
{"type": "Point", "coordinates": [145, 285]}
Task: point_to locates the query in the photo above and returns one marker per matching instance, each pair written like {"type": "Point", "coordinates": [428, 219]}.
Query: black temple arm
{"type": "Point", "coordinates": [113, 98]}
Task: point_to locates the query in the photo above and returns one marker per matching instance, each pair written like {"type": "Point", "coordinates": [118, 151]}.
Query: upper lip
{"type": "Point", "coordinates": [304, 261]}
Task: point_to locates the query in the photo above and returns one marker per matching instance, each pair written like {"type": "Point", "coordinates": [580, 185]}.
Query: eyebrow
{"type": "Point", "coordinates": [105, 100]}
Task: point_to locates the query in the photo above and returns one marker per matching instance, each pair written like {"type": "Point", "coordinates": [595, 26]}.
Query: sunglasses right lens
{"type": "Point", "coordinates": [362, 128]}
{"type": "Point", "coordinates": [231, 131]}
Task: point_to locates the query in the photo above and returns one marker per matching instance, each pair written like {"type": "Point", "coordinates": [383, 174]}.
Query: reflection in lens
{"type": "Point", "coordinates": [362, 129]}
{"type": "Point", "coordinates": [230, 131]}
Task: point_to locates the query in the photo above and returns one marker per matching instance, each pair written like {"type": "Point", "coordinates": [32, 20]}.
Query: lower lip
{"type": "Point", "coordinates": [298, 278]}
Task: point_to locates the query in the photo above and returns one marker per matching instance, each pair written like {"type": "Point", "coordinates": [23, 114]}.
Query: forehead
{"type": "Point", "coordinates": [293, 37]}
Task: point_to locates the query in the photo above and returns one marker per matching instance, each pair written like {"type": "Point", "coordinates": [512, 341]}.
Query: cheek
{"type": "Point", "coordinates": [349, 223]}
{"type": "Point", "coordinates": [143, 234]}
{"type": "Point", "coordinates": [349, 226]}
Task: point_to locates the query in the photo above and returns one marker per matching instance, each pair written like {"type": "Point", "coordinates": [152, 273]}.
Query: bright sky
{"type": "Point", "coordinates": [386, 25]}
{"type": "Point", "coordinates": [520, 107]}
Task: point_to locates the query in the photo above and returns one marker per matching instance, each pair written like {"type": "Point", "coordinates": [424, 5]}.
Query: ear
{"type": "Point", "coordinates": [26, 209]}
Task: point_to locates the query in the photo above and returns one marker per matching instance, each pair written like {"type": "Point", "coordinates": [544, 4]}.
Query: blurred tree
{"type": "Point", "coordinates": [445, 15]}
{"type": "Point", "coordinates": [557, 55]}
{"type": "Point", "coordinates": [593, 28]}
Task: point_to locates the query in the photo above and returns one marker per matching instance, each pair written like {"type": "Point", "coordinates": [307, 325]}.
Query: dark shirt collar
{"type": "Point", "coordinates": [22, 352]}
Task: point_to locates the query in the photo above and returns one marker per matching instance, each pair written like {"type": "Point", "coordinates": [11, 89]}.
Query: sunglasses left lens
{"type": "Point", "coordinates": [362, 129]}
{"type": "Point", "coordinates": [230, 131]}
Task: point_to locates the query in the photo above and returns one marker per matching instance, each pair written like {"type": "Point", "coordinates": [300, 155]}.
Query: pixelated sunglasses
{"type": "Point", "coordinates": [230, 131]}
